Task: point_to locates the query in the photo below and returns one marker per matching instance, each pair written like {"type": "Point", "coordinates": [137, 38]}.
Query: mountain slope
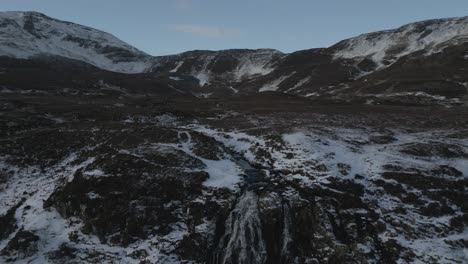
{"type": "Point", "coordinates": [386, 47]}
{"type": "Point", "coordinates": [235, 64]}
{"type": "Point", "coordinates": [218, 72]}
{"type": "Point", "coordinates": [29, 34]}
{"type": "Point", "coordinates": [379, 67]}
{"type": "Point", "coordinates": [356, 69]}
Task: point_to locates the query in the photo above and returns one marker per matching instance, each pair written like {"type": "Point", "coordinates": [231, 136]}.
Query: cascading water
{"type": "Point", "coordinates": [241, 238]}
{"type": "Point", "coordinates": [242, 242]}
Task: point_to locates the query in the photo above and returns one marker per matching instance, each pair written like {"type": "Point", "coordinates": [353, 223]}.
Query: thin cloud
{"type": "Point", "coordinates": [206, 31]}
{"type": "Point", "coordinates": [183, 4]}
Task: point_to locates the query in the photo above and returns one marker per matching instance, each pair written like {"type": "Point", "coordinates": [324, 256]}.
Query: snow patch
{"type": "Point", "coordinates": [273, 86]}
{"type": "Point", "coordinates": [299, 84]}
{"type": "Point", "coordinates": [223, 173]}
{"type": "Point", "coordinates": [179, 64]}
{"type": "Point", "coordinates": [175, 78]}
{"type": "Point", "coordinates": [203, 78]}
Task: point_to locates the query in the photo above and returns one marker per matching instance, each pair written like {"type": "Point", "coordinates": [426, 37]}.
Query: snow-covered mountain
{"type": "Point", "coordinates": [386, 47]}
{"type": "Point", "coordinates": [355, 69]}
{"type": "Point", "coordinates": [422, 62]}
{"type": "Point", "coordinates": [235, 65]}
{"type": "Point", "coordinates": [366, 68]}
{"type": "Point", "coordinates": [28, 34]}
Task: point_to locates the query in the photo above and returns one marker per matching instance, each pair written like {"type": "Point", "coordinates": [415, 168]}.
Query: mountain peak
{"type": "Point", "coordinates": [385, 47]}
{"type": "Point", "coordinates": [22, 13]}
{"type": "Point", "coordinates": [31, 34]}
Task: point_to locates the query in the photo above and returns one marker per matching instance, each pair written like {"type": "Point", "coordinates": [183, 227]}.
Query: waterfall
{"type": "Point", "coordinates": [242, 242]}
{"type": "Point", "coordinates": [286, 232]}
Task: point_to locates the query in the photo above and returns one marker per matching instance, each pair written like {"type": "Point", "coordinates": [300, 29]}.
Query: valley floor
{"type": "Point", "coordinates": [258, 179]}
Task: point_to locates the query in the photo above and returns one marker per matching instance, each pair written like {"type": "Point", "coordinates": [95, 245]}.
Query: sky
{"type": "Point", "coordinates": [161, 27]}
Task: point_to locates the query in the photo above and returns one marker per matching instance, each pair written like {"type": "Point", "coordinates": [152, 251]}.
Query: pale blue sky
{"type": "Point", "coordinates": [166, 27]}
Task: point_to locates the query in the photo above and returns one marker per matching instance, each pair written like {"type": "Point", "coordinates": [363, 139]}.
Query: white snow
{"type": "Point", "coordinates": [274, 85]}
{"type": "Point", "coordinates": [250, 69]}
{"type": "Point", "coordinates": [94, 173]}
{"type": "Point", "coordinates": [312, 94]}
{"type": "Point", "coordinates": [224, 173]}
{"type": "Point", "coordinates": [56, 119]}
{"type": "Point", "coordinates": [203, 78]}
{"type": "Point", "coordinates": [238, 141]}
{"type": "Point", "coordinates": [161, 119]}
{"type": "Point", "coordinates": [255, 64]}
{"type": "Point", "coordinates": [179, 64]}
{"type": "Point", "coordinates": [202, 95]}
{"type": "Point", "coordinates": [233, 89]}
{"type": "Point", "coordinates": [299, 84]}
{"type": "Point", "coordinates": [175, 78]}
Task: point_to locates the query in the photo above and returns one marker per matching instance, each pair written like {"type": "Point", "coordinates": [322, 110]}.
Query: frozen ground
{"type": "Point", "coordinates": [352, 186]}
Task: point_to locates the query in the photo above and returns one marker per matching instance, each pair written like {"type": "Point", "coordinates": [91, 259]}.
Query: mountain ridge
{"type": "Point", "coordinates": [337, 72]}
{"type": "Point", "coordinates": [30, 34]}
{"type": "Point", "coordinates": [332, 47]}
